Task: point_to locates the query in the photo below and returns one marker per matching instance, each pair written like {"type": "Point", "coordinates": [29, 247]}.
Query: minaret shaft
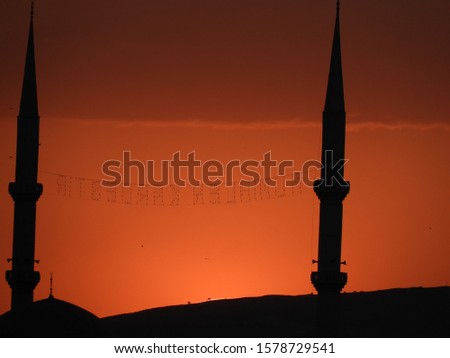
{"type": "Point", "coordinates": [25, 191]}
{"type": "Point", "coordinates": [331, 189]}
{"type": "Point", "coordinates": [330, 237]}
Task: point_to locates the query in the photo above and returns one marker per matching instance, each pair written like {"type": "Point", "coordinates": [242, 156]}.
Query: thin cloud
{"type": "Point", "coordinates": [192, 123]}
{"type": "Point", "coordinates": [397, 125]}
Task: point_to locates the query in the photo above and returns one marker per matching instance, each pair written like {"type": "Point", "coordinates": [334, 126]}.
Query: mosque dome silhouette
{"type": "Point", "coordinates": [51, 317]}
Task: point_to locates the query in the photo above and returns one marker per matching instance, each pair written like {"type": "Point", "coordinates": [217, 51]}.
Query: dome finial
{"type": "Point", "coordinates": [32, 9]}
{"type": "Point", "coordinates": [51, 285]}
{"type": "Point", "coordinates": [338, 4]}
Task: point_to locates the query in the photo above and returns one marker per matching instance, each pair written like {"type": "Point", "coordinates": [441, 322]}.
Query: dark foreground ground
{"type": "Point", "coordinates": [412, 312]}
{"type": "Point", "coordinates": [408, 313]}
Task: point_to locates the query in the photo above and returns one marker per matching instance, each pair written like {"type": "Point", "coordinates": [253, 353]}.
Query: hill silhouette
{"type": "Point", "coordinates": [397, 313]}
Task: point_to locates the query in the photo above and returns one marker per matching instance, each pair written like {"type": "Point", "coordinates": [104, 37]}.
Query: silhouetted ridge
{"type": "Point", "coordinates": [414, 312]}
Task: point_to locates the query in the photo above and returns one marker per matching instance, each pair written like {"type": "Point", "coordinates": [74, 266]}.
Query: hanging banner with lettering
{"type": "Point", "coordinates": [170, 195]}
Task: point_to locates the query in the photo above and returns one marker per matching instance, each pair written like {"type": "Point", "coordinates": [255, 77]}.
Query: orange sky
{"type": "Point", "coordinates": [230, 81]}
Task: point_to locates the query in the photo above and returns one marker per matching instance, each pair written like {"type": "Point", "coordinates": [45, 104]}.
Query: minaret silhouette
{"type": "Point", "coordinates": [25, 191]}
{"type": "Point", "coordinates": [331, 188]}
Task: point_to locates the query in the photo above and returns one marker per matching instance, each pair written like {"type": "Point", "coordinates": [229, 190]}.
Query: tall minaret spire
{"type": "Point", "coordinates": [335, 92]}
{"type": "Point", "coordinates": [25, 191]}
{"type": "Point", "coordinates": [331, 188]}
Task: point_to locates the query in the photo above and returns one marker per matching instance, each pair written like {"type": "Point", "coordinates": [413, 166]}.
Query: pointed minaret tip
{"type": "Point", "coordinates": [334, 101]}
{"type": "Point", "coordinates": [28, 103]}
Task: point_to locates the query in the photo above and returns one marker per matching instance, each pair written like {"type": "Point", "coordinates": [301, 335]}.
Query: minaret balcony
{"type": "Point", "coordinates": [22, 280]}
{"type": "Point", "coordinates": [329, 282]}
{"type": "Point", "coordinates": [331, 193]}
{"type": "Point", "coordinates": [25, 192]}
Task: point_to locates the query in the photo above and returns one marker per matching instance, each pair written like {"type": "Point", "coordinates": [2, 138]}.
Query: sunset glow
{"type": "Point", "coordinates": [230, 81]}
